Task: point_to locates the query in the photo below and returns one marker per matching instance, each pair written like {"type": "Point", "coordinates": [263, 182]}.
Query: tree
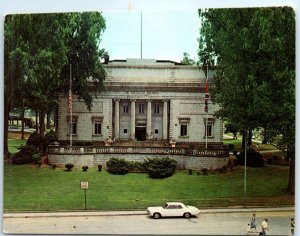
{"type": "Point", "coordinates": [39, 49]}
{"type": "Point", "coordinates": [187, 60]}
{"type": "Point", "coordinates": [255, 78]}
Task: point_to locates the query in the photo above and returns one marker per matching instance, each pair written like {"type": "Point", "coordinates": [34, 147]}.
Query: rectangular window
{"type": "Point", "coordinates": [208, 130]}
{"type": "Point", "coordinates": [97, 128]}
{"type": "Point", "coordinates": [156, 131]}
{"type": "Point", "coordinates": [72, 129]}
{"type": "Point", "coordinates": [125, 131]}
{"type": "Point", "coordinates": [141, 108]}
{"type": "Point", "coordinates": [183, 130]}
{"type": "Point", "coordinates": [125, 108]}
{"type": "Point", "coordinates": [156, 108]}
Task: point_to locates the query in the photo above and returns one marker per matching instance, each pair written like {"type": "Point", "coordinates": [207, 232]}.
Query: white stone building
{"type": "Point", "coordinates": [144, 100]}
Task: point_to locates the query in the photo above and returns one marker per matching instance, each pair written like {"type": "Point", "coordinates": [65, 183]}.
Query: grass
{"type": "Point", "coordinates": [238, 144]}
{"type": "Point", "coordinates": [31, 188]}
{"type": "Point", "coordinates": [13, 145]}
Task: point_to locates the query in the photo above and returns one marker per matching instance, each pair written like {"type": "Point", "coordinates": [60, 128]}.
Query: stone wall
{"type": "Point", "coordinates": [184, 162]}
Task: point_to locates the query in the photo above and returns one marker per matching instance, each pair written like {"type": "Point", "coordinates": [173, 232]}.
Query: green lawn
{"type": "Point", "coordinates": [31, 188]}
{"type": "Point", "coordinates": [13, 144]}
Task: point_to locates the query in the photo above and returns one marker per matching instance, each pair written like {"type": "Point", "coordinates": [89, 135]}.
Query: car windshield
{"type": "Point", "coordinates": [165, 206]}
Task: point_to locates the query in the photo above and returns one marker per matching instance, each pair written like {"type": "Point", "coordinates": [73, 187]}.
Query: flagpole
{"type": "Point", "coordinates": [141, 35]}
{"type": "Point", "coordinates": [207, 108]}
{"type": "Point", "coordinates": [70, 106]}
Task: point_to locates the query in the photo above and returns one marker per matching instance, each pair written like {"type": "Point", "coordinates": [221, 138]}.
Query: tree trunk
{"type": "Point", "coordinates": [48, 119]}
{"type": "Point", "coordinates": [56, 119]}
{"type": "Point", "coordinates": [5, 131]}
{"type": "Point", "coordinates": [36, 121]}
{"type": "Point", "coordinates": [42, 122]}
{"type": "Point", "coordinates": [244, 140]}
{"type": "Point", "coordinates": [249, 138]}
{"type": "Point", "coordinates": [22, 117]}
{"type": "Point", "coordinates": [291, 155]}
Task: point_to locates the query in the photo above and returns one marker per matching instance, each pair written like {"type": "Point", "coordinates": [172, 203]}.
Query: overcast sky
{"type": "Point", "coordinates": [151, 34]}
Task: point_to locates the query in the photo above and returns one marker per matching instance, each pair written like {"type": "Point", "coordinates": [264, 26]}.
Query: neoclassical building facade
{"type": "Point", "coordinates": [144, 100]}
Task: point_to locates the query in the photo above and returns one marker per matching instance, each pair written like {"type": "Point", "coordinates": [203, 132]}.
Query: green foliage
{"type": "Point", "coordinates": [25, 155]}
{"type": "Point", "coordinates": [36, 158]}
{"type": "Point", "coordinates": [161, 167]}
{"type": "Point", "coordinates": [69, 166]}
{"type": "Point", "coordinates": [254, 159]}
{"type": "Point", "coordinates": [35, 139]}
{"type": "Point", "coordinates": [50, 137]}
{"type": "Point", "coordinates": [117, 166]}
{"type": "Point", "coordinates": [205, 171]}
{"type": "Point", "coordinates": [85, 168]}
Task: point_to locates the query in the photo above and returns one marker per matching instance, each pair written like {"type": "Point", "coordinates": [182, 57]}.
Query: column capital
{"type": "Point", "coordinates": [117, 100]}
{"type": "Point", "coordinates": [133, 100]}
{"type": "Point", "coordinates": [166, 100]}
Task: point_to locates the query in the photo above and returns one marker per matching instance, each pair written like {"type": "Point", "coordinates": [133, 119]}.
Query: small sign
{"type": "Point", "coordinates": [84, 184]}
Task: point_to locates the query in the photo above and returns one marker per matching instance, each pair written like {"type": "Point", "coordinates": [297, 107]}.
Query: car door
{"type": "Point", "coordinates": [171, 210]}
{"type": "Point", "coordinates": [180, 210]}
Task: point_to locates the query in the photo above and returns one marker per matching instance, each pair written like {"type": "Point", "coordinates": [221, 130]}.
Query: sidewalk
{"type": "Point", "coordinates": [139, 212]}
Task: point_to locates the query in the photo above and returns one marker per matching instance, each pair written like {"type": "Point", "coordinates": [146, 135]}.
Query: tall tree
{"type": "Point", "coordinates": [39, 49]}
{"type": "Point", "coordinates": [255, 79]}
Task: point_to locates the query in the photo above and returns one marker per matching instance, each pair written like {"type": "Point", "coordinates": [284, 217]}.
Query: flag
{"type": "Point", "coordinates": [206, 97]}
{"type": "Point", "coordinates": [70, 100]}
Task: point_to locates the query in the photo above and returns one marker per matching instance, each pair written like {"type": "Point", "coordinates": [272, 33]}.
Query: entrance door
{"type": "Point", "coordinates": [140, 133]}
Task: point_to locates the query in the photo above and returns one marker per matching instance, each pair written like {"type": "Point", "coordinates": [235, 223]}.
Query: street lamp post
{"type": "Point", "coordinates": [245, 170]}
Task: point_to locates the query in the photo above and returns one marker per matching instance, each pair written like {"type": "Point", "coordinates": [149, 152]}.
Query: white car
{"type": "Point", "coordinates": [173, 209]}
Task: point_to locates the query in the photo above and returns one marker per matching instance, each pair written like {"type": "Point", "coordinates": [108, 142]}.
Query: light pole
{"type": "Point", "coordinates": [245, 170]}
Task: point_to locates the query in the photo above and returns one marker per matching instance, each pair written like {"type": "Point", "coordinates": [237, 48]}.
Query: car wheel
{"type": "Point", "coordinates": [156, 215]}
{"type": "Point", "coordinates": [186, 215]}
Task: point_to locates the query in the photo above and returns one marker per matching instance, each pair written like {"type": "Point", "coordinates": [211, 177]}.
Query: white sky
{"type": "Point", "coordinates": [166, 35]}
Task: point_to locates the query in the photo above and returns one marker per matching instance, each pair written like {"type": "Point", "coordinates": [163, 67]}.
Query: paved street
{"type": "Point", "coordinates": [214, 223]}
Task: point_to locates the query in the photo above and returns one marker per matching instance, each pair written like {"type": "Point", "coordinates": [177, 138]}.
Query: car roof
{"type": "Point", "coordinates": [178, 203]}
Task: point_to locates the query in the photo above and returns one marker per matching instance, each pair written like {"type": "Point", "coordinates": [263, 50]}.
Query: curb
{"type": "Point", "coordinates": [133, 212]}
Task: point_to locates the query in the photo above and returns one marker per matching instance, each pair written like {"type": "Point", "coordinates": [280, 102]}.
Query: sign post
{"type": "Point", "coordinates": [84, 185]}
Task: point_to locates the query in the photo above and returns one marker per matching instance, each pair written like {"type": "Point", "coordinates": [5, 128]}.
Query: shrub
{"type": "Point", "coordinates": [85, 168]}
{"type": "Point", "coordinates": [137, 167]}
{"type": "Point", "coordinates": [117, 166]}
{"type": "Point", "coordinates": [230, 146]}
{"type": "Point", "coordinates": [50, 137]}
{"type": "Point", "coordinates": [161, 167]}
{"type": "Point", "coordinates": [69, 166]}
{"type": "Point", "coordinates": [53, 166]}
{"type": "Point", "coordinates": [205, 171]}
{"type": "Point", "coordinates": [36, 158]}
{"type": "Point", "coordinates": [24, 156]}
{"type": "Point", "coordinates": [254, 159]}
{"type": "Point", "coordinates": [35, 139]}
{"type": "Point", "coordinates": [99, 167]}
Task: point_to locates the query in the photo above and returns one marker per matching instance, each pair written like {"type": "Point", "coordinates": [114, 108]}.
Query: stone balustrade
{"type": "Point", "coordinates": [219, 152]}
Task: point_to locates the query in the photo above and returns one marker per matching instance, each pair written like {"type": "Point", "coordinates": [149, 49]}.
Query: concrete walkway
{"type": "Point", "coordinates": [141, 212]}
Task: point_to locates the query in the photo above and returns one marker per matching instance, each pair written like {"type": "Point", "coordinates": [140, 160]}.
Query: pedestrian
{"type": "Point", "coordinates": [264, 226]}
{"type": "Point", "coordinates": [253, 223]}
{"type": "Point", "coordinates": [292, 226]}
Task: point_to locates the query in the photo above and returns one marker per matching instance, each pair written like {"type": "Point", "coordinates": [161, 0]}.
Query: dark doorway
{"type": "Point", "coordinates": [140, 133]}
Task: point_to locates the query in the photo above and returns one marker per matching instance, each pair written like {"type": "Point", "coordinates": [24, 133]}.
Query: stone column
{"type": "Point", "coordinates": [149, 121]}
{"type": "Point", "coordinates": [165, 120]}
{"type": "Point", "coordinates": [132, 120]}
{"type": "Point", "coordinates": [117, 119]}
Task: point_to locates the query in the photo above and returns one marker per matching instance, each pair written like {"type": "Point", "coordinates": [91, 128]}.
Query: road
{"type": "Point", "coordinates": [206, 224]}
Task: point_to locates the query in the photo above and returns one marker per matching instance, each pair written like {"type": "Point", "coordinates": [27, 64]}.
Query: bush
{"type": "Point", "coordinates": [161, 167]}
{"type": "Point", "coordinates": [205, 171]}
{"type": "Point", "coordinates": [85, 168]}
{"type": "Point", "coordinates": [254, 159]}
{"type": "Point", "coordinates": [35, 139]}
{"type": "Point", "coordinates": [69, 166]}
{"type": "Point", "coordinates": [50, 137]}
{"type": "Point", "coordinates": [24, 156]}
{"type": "Point", "coordinates": [117, 166]}
{"type": "Point", "coordinates": [36, 158]}
{"type": "Point", "coordinates": [137, 167]}
{"type": "Point", "coordinates": [53, 166]}
{"type": "Point", "coordinates": [99, 167]}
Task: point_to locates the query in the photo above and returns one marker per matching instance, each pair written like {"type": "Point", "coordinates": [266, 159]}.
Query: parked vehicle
{"type": "Point", "coordinates": [173, 209]}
